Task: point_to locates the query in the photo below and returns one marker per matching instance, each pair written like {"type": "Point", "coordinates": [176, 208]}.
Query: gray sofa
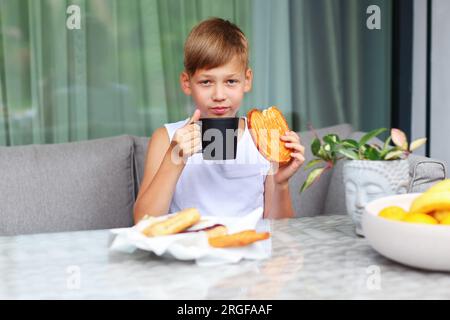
{"type": "Point", "coordinates": [93, 184]}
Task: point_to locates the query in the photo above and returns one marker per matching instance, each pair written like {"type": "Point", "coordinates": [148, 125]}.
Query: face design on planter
{"type": "Point", "coordinates": [361, 187]}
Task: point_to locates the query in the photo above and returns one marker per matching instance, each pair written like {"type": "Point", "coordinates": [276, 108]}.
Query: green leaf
{"type": "Point", "coordinates": [393, 155]}
{"type": "Point", "coordinates": [312, 163]}
{"type": "Point", "coordinates": [348, 153]}
{"type": "Point", "coordinates": [312, 176]}
{"type": "Point", "coordinates": [376, 146]}
{"type": "Point", "coordinates": [322, 153]}
{"type": "Point", "coordinates": [372, 154]}
{"type": "Point", "coordinates": [387, 142]}
{"type": "Point", "coordinates": [384, 152]}
{"type": "Point", "coordinates": [370, 135]}
{"type": "Point", "coordinates": [331, 139]}
{"type": "Point", "coordinates": [362, 150]}
{"type": "Point", "coordinates": [417, 143]}
{"type": "Point", "coordinates": [350, 143]}
{"type": "Point", "coordinates": [315, 146]}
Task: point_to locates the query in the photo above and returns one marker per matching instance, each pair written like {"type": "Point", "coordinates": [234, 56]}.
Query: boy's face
{"type": "Point", "coordinates": [218, 92]}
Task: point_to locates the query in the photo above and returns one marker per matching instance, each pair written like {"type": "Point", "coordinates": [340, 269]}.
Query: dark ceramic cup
{"type": "Point", "coordinates": [219, 138]}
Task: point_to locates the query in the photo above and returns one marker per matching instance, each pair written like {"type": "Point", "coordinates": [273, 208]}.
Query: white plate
{"type": "Point", "coordinates": [419, 245]}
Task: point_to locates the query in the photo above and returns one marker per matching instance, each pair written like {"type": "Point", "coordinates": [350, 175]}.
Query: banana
{"type": "Point", "coordinates": [431, 201]}
{"type": "Point", "coordinates": [441, 186]}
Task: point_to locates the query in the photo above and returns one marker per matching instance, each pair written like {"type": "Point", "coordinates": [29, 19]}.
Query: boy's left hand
{"type": "Point", "coordinates": [291, 141]}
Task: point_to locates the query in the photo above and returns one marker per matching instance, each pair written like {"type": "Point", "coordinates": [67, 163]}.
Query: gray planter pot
{"type": "Point", "coordinates": [366, 180]}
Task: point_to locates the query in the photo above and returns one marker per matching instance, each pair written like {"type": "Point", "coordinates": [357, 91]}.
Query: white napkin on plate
{"type": "Point", "coordinates": [195, 246]}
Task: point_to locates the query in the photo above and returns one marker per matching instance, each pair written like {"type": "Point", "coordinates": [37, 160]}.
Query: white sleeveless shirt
{"type": "Point", "coordinates": [225, 187]}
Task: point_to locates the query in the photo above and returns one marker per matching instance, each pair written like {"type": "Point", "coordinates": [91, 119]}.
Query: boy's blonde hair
{"type": "Point", "coordinates": [213, 43]}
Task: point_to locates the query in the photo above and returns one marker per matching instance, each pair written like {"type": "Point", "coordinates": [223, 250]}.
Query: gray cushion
{"type": "Point", "coordinates": [423, 171]}
{"type": "Point", "coordinates": [140, 152]}
{"type": "Point", "coordinates": [335, 199]}
{"type": "Point", "coordinates": [70, 186]}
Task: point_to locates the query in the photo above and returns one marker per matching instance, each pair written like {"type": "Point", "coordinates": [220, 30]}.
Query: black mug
{"type": "Point", "coordinates": [219, 138]}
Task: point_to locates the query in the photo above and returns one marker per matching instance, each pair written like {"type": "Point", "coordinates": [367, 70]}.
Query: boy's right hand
{"type": "Point", "coordinates": [188, 139]}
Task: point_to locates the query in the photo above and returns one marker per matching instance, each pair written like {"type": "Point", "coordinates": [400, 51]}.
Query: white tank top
{"type": "Point", "coordinates": [225, 187]}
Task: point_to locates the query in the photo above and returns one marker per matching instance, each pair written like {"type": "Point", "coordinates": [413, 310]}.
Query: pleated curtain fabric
{"type": "Point", "coordinates": [119, 73]}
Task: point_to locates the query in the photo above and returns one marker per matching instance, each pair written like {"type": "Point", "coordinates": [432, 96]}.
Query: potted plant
{"type": "Point", "coordinates": [370, 170]}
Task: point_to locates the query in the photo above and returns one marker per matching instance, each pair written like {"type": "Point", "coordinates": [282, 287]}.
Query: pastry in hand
{"type": "Point", "coordinates": [266, 128]}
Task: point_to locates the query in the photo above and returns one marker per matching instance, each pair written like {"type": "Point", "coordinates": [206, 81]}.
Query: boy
{"type": "Point", "coordinates": [217, 76]}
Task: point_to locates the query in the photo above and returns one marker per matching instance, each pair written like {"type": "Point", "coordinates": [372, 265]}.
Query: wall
{"type": "Point", "coordinates": [440, 81]}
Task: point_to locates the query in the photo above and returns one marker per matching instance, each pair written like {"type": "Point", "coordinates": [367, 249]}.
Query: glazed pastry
{"type": "Point", "coordinates": [266, 128]}
{"type": "Point", "coordinates": [178, 222]}
{"type": "Point", "coordinates": [239, 239]}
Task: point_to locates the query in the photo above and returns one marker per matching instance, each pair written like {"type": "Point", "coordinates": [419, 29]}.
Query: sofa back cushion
{"type": "Point", "coordinates": [140, 153]}
{"type": "Point", "coordinates": [66, 187]}
{"type": "Point", "coordinates": [425, 172]}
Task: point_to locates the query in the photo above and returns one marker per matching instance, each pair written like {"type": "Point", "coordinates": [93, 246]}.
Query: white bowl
{"type": "Point", "coordinates": [418, 245]}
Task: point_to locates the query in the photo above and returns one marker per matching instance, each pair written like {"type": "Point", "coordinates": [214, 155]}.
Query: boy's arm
{"type": "Point", "coordinates": [165, 160]}
{"type": "Point", "coordinates": [160, 177]}
{"type": "Point", "coordinates": [277, 200]}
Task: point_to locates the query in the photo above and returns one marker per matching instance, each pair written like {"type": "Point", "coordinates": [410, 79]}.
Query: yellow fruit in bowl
{"type": "Point", "coordinates": [431, 201]}
{"type": "Point", "coordinates": [446, 220]}
{"type": "Point", "coordinates": [419, 217]}
{"type": "Point", "coordinates": [441, 186]}
{"type": "Point", "coordinates": [441, 215]}
{"type": "Point", "coordinates": [393, 213]}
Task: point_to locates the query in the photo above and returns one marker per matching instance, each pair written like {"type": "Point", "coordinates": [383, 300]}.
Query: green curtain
{"type": "Point", "coordinates": [314, 59]}
{"type": "Point", "coordinates": [117, 74]}
{"type": "Point", "coordinates": [319, 63]}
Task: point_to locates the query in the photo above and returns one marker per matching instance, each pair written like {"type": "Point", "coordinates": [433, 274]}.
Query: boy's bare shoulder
{"type": "Point", "coordinates": [159, 140]}
{"type": "Point", "coordinates": [158, 144]}
{"type": "Point", "coordinates": [160, 137]}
